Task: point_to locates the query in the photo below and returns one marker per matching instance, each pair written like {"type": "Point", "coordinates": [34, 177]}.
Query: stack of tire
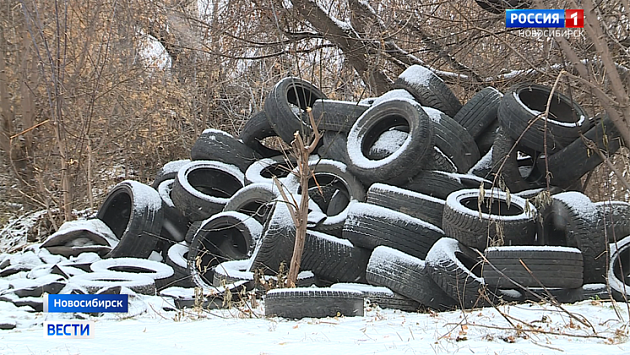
{"type": "Point", "coordinates": [398, 198]}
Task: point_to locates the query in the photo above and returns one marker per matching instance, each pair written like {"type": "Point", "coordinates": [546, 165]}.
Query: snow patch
{"type": "Point", "coordinates": [418, 75]}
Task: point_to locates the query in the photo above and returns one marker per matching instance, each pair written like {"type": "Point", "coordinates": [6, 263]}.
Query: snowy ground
{"type": "Point", "coordinates": [154, 327]}
{"type": "Point", "coordinates": [544, 330]}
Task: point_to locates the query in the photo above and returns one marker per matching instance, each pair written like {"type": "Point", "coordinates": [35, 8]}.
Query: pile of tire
{"type": "Point", "coordinates": [404, 208]}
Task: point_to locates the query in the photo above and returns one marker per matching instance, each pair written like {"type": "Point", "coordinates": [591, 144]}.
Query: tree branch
{"type": "Point", "coordinates": [347, 39]}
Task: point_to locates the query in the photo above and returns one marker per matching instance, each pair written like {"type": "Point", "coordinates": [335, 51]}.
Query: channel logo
{"type": "Point", "coordinates": [69, 329]}
{"type": "Point", "coordinates": [550, 18]}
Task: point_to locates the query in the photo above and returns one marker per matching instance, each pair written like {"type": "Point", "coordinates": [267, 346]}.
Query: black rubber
{"type": "Point", "coordinates": [619, 267]}
{"type": "Point", "coordinates": [575, 160]}
{"type": "Point", "coordinates": [545, 266]}
{"type": "Point", "coordinates": [440, 184]}
{"type": "Point", "coordinates": [480, 225]}
{"type": "Point", "coordinates": [483, 167]}
{"type": "Point", "coordinates": [369, 226]}
{"type": "Point", "coordinates": [480, 111]}
{"type": "Point", "coordinates": [313, 303]}
{"type": "Point", "coordinates": [614, 216]}
{"type": "Point", "coordinates": [569, 295]}
{"type": "Point", "coordinates": [574, 218]}
{"type": "Point", "coordinates": [275, 246]}
{"type": "Point", "coordinates": [330, 176]}
{"type": "Point", "coordinates": [408, 276]}
{"type": "Point", "coordinates": [337, 116]}
{"type": "Point", "coordinates": [278, 107]}
{"type": "Point", "coordinates": [381, 296]}
{"type": "Point", "coordinates": [428, 89]}
{"type": "Point", "coordinates": [254, 200]}
{"type": "Point", "coordinates": [133, 211]}
{"type": "Point", "coordinates": [518, 174]}
{"type": "Point", "coordinates": [486, 138]}
{"type": "Point", "coordinates": [408, 159]}
{"type": "Point", "coordinates": [254, 131]}
{"type": "Point", "coordinates": [453, 140]}
{"type": "Point", "coordinates": [175, 223]}
{"type": "Point", "coordinates": [217, 145]}
{"type": "Point", "coordinates": [176, 257]}
{"type": "Point", "coordinates": [264, 170]}
{"type": "Point", "coordinates": [224, 236]}
{"type": "Point", "coordinates": [202, 188]}
{"type": "Point", "coordinates": [415, 204]}
{"type": "Point", "coordinates": [334, 146]}
{"type": "Point", "coordinates": [168, 171]}
{"type": "Point", "coordinates": [522, 103]}
{"type": "Point", "coordinates": [334, 259]}
{"type": "Point", "coordinates": [457, 270]}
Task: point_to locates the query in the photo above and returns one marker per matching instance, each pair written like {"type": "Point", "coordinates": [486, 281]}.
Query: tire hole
{"type": "Point", "coordinates": [498, 207]}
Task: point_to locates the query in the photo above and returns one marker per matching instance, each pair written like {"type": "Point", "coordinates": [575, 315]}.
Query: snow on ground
{"type": "Point", "coordinates": [153, 326]}
{"type": "Point", "coordinates": [379, 332]}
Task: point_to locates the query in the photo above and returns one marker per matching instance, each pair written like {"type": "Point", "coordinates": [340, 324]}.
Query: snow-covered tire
{"type": "Point", "coordinates": [453, 140]}
{"type": "Point", "coordinates": [224, 236]}
{"type": "Point", "coordinates": [175, 224]}
{"type": "Point", "coordinates": [133, 211]}
{"type": "Point", "coordinates": [276, 243]}
{"type": "Point", "coordinates": [287, 92]}
{"type": "Point", "coordinates": [394, 94]}
{"type": "Point", "coordinates": [551, 267]}
{"type": "Point", "coordinates": [264, 170]}
{"type": "Point", "coordinates": [457, 270]}
{"type": "Point", "coordinates": [479, 224]}
{"type": "Point", "coordinates": [176, 257]}
{"type": "Point", "coordinates": [217, 145]}
{"type": "Point", "coordinates": [404, 162]}
{"type": "Point", "coordinates": [168, 171]}
{"type": "Point", "coordinates": [369, 226]}
{"type": "Point", "coordinates": [334, 259]}
{"type": "Point", "coordinates": [619, 267]}
{"type": "Point", "coordinates": [570, 295]}
{"type": "Point", "coordinates": [232, 271]}
{"type": "Point", "coordinates": [254, 200]}
{"type": "Point", "coordinates": [313, 303]}
{"type": "Point", "coordinates": [428, 89]}
{"type": "Point", "coordinates": [388, 143]}
{"type": "Point", "coordinates": [575, 160]}
{"type": "Point", "coordinates": [332, 176]}
{"type": "Point", "coordinates": [202, 188]}
{"type": "Point", "coordinates": [334, 147]}
{"type": "Point", "coordinates": [614, 216]}
{"type": "Point", "coordinates": [483, 167]}
{"type": "Point", "coordinates": [440, 184]}
{"type": "Point", "coordinates": [517, 175]}
{"type": "Point", "coordinates": [254, 131]}
{"type": "Point", "coordinates": [162, 274]}
{"type": "Point", "coordinates": [94, 281]}
{"type": "Point", "coordinates": [415, 204]}
{"type": "Point", "coordinates": [407, 275]}
{"type": "Point", "coordinates": [480, 111]}
{"type": "Point", "coordinates": [381, 296]}
{"type": "Point", "coordinates": [574, 219]}
{"type": "Point", "coordinates": [486, 139]}
{"type": "Point", "coordinates": [337, 116]}
{"type": "Point", "coordinates": [523, 102]}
